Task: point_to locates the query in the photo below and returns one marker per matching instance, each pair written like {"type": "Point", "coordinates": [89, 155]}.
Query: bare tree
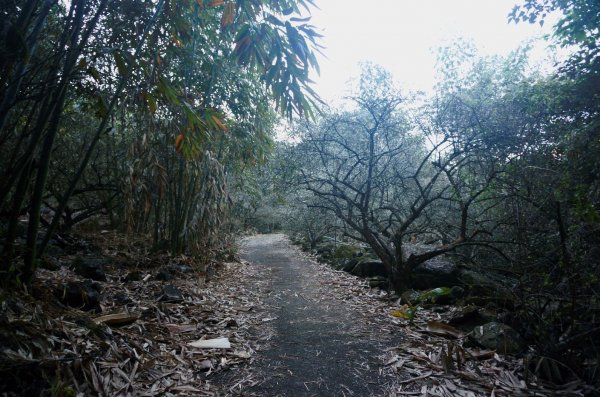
{"type": "Point", "coordinates": [395, 179]}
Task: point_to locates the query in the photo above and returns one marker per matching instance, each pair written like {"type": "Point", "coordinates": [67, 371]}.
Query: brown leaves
{"type": "Point", "coordinates": [442, 329]}
{"type": "Point", "coordinates": [228, 15]}
{"type": "Point", "coordinates": [141, 347]}
{"type": "Point", "coordinates": [179, 143]}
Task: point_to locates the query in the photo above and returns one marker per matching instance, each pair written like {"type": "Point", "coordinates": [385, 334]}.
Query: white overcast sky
{"type": "Point", "coordinates": [401, 35]}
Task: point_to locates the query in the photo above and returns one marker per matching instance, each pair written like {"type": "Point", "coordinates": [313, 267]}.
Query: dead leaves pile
{"type": "Point", "coordinates": [143, 348]}
{"type": "Point", "coordinates": [431, 359]}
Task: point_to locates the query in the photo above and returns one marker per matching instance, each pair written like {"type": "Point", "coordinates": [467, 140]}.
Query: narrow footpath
{"type": "Point", "coordinates": [322, 344]}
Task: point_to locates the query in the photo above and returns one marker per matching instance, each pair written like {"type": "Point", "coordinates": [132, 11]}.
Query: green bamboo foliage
{"type": "Point", "coordinates": [157, 98]}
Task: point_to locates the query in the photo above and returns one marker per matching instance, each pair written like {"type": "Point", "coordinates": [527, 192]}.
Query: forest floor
{"type": "Point", "coordinates": [326, 333]}
{"type": "Point", "coordinates": [275, 323]}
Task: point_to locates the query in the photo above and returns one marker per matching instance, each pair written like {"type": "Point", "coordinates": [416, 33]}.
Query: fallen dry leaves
{"type": "Point", "coordinates": [431, 359]}
{"type": "Point", "coordinates": [143, 347]}
{"type": "Point", "coordinates": [150, 348]}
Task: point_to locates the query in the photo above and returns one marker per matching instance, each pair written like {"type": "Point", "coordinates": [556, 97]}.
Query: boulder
{"type": "Point", "coordinates": [485, 290]}
{"type": "Point", "coordinates": [499, 337]}
{"type": "Point", "coordinates": [90, 267]}
{"type": "Point", "coordinates": [481, 284]}
{"type": "Point", "coordinates": [84, 295]}
{"type": "Point", "coordinates": [436, 272]}
{"type": "Point", "coordinates": [369, 268]}
{"type": "Point", "coordinates": [171, 294]}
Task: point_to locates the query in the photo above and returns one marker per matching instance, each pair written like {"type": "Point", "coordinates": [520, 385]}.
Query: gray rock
{"type": "Point", "coordinates": [122, 298]}
{"type": "Point", "coordinates": [171, 294]}
{"type": "Point", "coordinates": [481, 284]}
{"type": "Point", "coordinates": [82, 295]}
{"type": "Point", "coordinates": [369, 268]}
{"type": "Point", "coordinates": [436, 272]}
{"type": "Point", "coordinates": [164, 274]}
{"type": "Point", "coordinates": [499, 337]}
{"type": "Point", "coordinates": [181, 268]}
{"type": "Point", "coordinates": [90, 267]}
{"type": "Point", "coordinates": [410, 296]}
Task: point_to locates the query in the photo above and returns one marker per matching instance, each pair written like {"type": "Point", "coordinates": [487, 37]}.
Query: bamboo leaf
{"type": "Point", "coordinates": [219, 123]}
{"type": "Point", "coordinates": [179, 143]}
{"type": "Point", "coordinates": [228, 15]}
{"type": "Point", "coordinates": [121, 65]}
{"type": "Point", "coordinates": [150, 101]}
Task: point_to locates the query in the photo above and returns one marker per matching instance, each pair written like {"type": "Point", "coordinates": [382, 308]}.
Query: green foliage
{"type": "Point", "coordinates": [577, 27]}
{"type": "Point", "coordinates": [163, 100]}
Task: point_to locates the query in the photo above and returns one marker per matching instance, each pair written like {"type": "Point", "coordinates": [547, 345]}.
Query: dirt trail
{"type": "Point", "coordinates": [322, 346]}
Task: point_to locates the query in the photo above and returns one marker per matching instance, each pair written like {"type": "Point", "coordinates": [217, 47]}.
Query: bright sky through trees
{"type": "Point", "coordinates": [402, 35]}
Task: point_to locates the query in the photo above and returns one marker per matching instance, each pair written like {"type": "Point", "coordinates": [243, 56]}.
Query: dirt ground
{"type": "Point", "coordinates": [321, 345]}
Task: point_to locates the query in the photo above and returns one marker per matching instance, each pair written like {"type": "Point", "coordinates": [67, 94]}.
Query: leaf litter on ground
{"type": "Point", "coordinates": [146, 347]}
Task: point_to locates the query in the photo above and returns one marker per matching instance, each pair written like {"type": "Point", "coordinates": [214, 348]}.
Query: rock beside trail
{"type": "Point", "coordinates": [436, 272]}
{"type": "Point", "coordinates": [438, 296]}
{"type": "Point", "coordinates": [171, 294]}
{"type": "Point", "coordinates": [499, 337]}
{"type": "Point", "coordinates": [90, 267]}
{"type": "Point", "coordinates": [369, 268]}
{"type": "Point", "coordinates": [169, 272]}
{"type": "Point", "coordinates": [84, 295]}
{"type": "Point", "coordinates": [482, 285]}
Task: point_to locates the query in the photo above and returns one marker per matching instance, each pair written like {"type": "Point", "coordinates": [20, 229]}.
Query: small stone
{"type": "Point", "coordinates": [181, 268]}
{"type": "Point", "coordinates": [499, 337]}
{"type": "Point", "coordinates": [171, 294]}
{"type": "Point", "coordinates": [164, 275]}
{"type": "Point", "coordinates": [122, 298]}
{"type": "Point", "coordinates": [82, 295]}
{"type": "Point", "coordinates": [92, 268]}
{"type": "Point", "coordinates": [410, 296]}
